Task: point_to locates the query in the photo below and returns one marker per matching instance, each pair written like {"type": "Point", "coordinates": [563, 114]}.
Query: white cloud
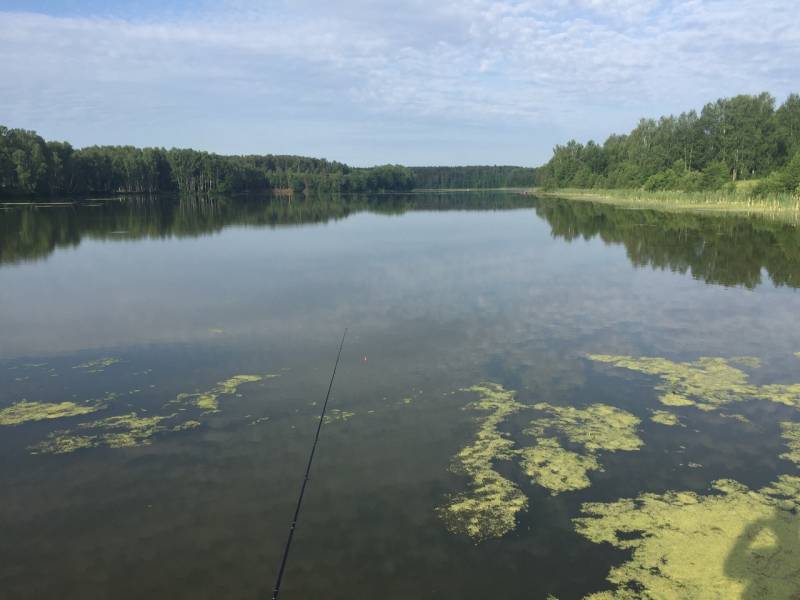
{"type": "Point", "coordinates": [575, 66]}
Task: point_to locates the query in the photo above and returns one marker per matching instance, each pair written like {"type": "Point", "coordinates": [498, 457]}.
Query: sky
{"type": "Point", "coordinates": [435, 82]}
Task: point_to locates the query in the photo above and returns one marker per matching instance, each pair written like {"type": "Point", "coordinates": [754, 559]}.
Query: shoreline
{"type": "Point", "coordinates": [787, 209]}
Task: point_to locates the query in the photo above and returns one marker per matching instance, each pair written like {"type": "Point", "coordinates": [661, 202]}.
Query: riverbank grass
{"type": "Point", "coordinates": [742, 200]}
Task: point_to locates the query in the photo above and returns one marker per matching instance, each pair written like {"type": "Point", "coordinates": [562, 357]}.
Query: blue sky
{"type": "Point", "coordinates": [366, 82]}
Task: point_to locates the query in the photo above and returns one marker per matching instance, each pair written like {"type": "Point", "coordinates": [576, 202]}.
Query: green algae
{"type": "Point", "coordinates": [120, 431]}
{"type": "Point", "coordinates": [97, 365]}
{"type": "Point", "coordinates": [596, 427]}
{"type": "Point", "coordinates": [557, 469]}
{"type": "Point", "coordinates": [735, 543]}
{"type": "Point", "coordinates": [338, 414]}
{"type": "Point", "coordinates": [735, 417]}
{"type": "Point", "coordinates": [490, 506]}
{"type": "Point", "coordinates": [209, 400]}
{"type": "Point", "coordinates": [664, 417]}
{"type": "Point", "coordinates": [707, 383]}
{"type": "Point", "coordinates": [24, 411]}
{"type": "Point", "coordinates": [790, 432]}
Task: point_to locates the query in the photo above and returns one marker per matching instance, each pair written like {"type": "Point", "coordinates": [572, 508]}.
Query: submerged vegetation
{"type": "Point", "coordinates": [209, 400]}
{"type": "Point", "coordinates": [790, 432]}
{"type": "Point", "coordinates": [750, 542]}
{"type": "Point", "coordinates": [551, 466]}
{"type": "Point", "coordinates": [25, 411]}
{"type": "Point", "coordinates": [665, 417]}
{"type": "Point", "coordinates": [707, 383]}
{"type": "Point", "coordinates": [490, 506]}
{"type": "Point", "coordinates": [97, 365]}
{"type": "Point", "coordinates": [597, 427]}
{"type": "Point", "coordinates": [121, 431]}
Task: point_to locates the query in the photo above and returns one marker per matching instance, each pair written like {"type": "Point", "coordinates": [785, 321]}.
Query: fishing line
{"type": "Point", "coordinates": [277, 589]}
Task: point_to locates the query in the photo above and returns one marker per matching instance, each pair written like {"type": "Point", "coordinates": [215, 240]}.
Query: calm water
{"type": "Point", "coordinates": [439, 293]}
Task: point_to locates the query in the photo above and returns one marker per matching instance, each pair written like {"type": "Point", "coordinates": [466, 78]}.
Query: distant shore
{"type": "Point", "coordinates": [784, 207]}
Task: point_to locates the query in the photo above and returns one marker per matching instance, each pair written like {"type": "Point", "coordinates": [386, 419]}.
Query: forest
{"type": "Point", "coordinates": [732, 140]}
{"type": "Point", "coordinates": [29, 166]}
{"type": "Point", "coordinates": [498, 176]}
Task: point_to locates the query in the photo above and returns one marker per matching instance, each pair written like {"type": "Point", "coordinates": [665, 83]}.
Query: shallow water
{"type": "Point", "coordinates": [439, 292]}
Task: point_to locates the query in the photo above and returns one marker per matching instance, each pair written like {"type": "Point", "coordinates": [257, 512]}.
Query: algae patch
{"type": "Point", "coordinates": [597, 427]}
{"type": "Point", "coordinates": [790, 432]}
{"type": "Point", "coordinates": [736, 543]}
{"type": "Point", "coordinates": [559, 470]}
{"type": "Point", "coordinates": [209, 400]}
{"type": "Point", "coordinates": [664, 417]}
{"type": "Point", "coordinates": [97, 365]}
{"type": "Point", "coordinates": [24, 411]}
{"type": "Point", "coordinates": [707, 383]}
{"type": "Point", "coordinates": [490, 506]}
{"type": "Point", "coordinates": [337, 414]}
{"type": "Point", "coordinates": [121, 431]}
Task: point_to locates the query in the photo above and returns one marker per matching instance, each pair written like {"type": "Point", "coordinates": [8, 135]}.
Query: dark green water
{"type": "Point", "coordinates": [439, 293]}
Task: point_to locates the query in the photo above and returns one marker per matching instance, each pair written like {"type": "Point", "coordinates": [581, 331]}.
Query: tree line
{"type": "Point", "coordinates": [494, 176]}
{"type": "Point", "coordinates": [733, 139]}
{"type": "Point", "coordinates": [29, 165]}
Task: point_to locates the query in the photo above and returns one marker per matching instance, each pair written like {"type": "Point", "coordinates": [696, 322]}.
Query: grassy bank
{"type": "Point", "coordinates": [782, 206]}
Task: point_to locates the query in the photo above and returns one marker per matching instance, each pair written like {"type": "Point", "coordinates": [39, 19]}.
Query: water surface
{"type": "Point", "coordinates": [439, 292]}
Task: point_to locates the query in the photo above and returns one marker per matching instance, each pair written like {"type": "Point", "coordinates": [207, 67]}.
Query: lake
{"type": "Point", "coordinates": [509, 359]}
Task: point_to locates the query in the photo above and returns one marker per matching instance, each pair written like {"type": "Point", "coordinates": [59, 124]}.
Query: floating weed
{"type": "Point", "coordinates": [750, 542]}
{"type": "Point", "coordinates": [790, 432]}
{"type": "Point", "coordinates": [706, 383]}
{"type": "Point", "coordinates": [559, 470]}
{"type": "Point", "coordinates": [664, 417]}
{"type": "Point", "coordinates": [24, 411]}
{"type": "Point", "coordinates": [121, 431]}
{"type": "Point", "coordinates": [490, 506]}
{"type": "Point", "coordinates": [216, 330]}
{"type": "Point", "coordinates": [337, 414]}
{"type": "Point", "coordinates": [209, 401]}
{"type": "Point", "coordinates": [97, 365]}
{"type": "Point", "coordinates": [596, 427]}
{"type": "Point", "coordinates": [735, 417]}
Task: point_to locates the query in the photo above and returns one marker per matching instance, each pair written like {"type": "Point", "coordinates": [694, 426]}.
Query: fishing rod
{"type": "Point", "coordinates": [277, 589]}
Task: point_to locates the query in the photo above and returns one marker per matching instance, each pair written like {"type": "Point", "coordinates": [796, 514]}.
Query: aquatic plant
{"type": "Point", "coordinates": [557, 469]}
{"type": "Point", "coordinates": [790, 432]}
{"type": "Point", "coordinates": [595, 427]}
{"type": "Point", "coordinates": [337, 414]}
{"type": "Point", "coordinates": [750, 542]}
{"type": "Point", "coordinates": [490, 506]}
{"type": "Point", "coordinates": [97, 365]}
{"type": "Point", "coordinates": [120, 431]}
{"type": "Point", "coordinates": [25, 411]}
{"type": "Point", "coordinates": [707, 383]}
{"type": "Point", "coordinates": [209, 400]}
{"type": "Point", "coordinates": [664, 417]}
